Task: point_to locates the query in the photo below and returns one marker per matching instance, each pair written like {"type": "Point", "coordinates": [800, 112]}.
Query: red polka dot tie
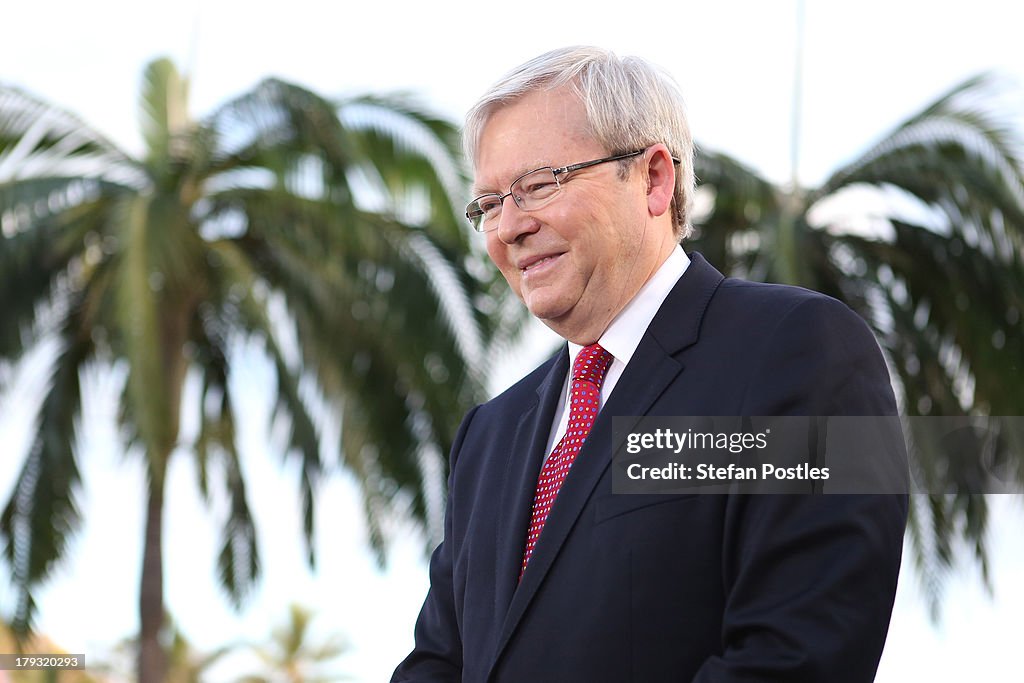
{"type": "Point", "coordinates": [588, 373]}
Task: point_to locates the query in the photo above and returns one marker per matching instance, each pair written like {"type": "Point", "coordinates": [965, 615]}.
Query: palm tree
{"type": "Point", "coordinates": [283, 219]}
{"type": "Point", "coordinates": [291, 657]}
{"type": "Point", "coordinates": [937, 271]}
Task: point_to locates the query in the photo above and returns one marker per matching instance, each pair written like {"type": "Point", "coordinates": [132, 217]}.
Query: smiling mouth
{"type": "Point", "coordinates": [541, 262]}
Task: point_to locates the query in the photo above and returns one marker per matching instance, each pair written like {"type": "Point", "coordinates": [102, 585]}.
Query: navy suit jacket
{"type": "Point", "coordinates": [651, 588]}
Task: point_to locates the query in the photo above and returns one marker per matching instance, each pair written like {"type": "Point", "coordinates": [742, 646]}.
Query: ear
{"type": "Point", "coordinates": [661, 179]}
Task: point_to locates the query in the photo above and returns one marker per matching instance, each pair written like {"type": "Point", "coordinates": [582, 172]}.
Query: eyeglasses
{"type": "Point", "coordinates": [529, 191]}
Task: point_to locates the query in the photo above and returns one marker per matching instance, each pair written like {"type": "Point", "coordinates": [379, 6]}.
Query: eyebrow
{"type": "Point", "coordinates": [479, 191]}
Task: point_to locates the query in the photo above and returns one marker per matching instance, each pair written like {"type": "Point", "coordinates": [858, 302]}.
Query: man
{"type": "Point", "coordinates": [584, 174]}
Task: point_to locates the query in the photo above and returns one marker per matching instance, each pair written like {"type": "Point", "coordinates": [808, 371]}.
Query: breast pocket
{"type": "Point", "coordinates": [614, 505]}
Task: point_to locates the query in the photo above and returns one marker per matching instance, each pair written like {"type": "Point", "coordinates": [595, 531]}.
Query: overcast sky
{"type": "Point", "coordinates": [868, 65]}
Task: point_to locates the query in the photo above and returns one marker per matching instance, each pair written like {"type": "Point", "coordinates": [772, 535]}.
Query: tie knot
{"type": "Point", "coordinates": [591, 364]}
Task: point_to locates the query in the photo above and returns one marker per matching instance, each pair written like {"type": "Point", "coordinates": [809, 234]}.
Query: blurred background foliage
{"type": "Point", "coordinates": [323, 231]}
{"type": "Point", "coordinates": [329, 233]}
{"type": "Point", "coordinates": [291, 653]}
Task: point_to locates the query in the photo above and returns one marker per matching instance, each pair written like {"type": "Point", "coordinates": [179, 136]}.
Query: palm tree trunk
{"type": "Point", "coordinates": [152, 659]}
{"type": "Point", "coordinates": [152, 656]}
{"type": "Point", "coordinates": [787, 250]}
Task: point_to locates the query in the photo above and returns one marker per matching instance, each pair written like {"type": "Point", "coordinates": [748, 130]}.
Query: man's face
{"type": "Point", "coordinates": [577, 261]}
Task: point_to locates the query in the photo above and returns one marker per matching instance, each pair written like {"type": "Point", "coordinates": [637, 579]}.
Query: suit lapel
{"type": "Point", "coordinates": [657, 360]}
{"type": "Point", "coordinates": [520, 482]}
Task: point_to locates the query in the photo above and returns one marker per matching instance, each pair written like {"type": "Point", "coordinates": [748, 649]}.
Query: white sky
{"type": "Point", "coordinates": [868, 65]}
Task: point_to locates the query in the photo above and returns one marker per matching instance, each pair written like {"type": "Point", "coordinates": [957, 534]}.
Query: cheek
{"type": "Point", "coordinates": [499, 256]}
{"type": "Point", "coordinates": [496, 250]}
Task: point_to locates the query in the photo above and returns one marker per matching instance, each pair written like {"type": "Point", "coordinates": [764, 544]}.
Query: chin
{"type": "Point", "coordinates": [546, 311]}
{"type": "Point", "coordinates": [554, 296]}
{"type": "Point", "coordinates": [551, 303]}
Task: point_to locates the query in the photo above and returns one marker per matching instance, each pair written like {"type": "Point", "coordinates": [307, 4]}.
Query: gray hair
{"type": "Point", "coordinates": [630, 105]}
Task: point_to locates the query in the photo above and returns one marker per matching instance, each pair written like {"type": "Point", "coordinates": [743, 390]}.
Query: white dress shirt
{"type": "Point", "coordinates": [623, 336]}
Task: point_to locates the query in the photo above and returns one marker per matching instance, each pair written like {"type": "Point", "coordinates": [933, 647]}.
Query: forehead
{"type": "Point", "coordinates": [543, 128]}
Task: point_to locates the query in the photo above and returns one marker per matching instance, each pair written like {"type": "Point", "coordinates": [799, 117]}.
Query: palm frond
{"type": "Point", "coordinates": [38, 140]}
{"type": "Point", "coordinates": [42, 515]}
{"type": "Point", "coordinates": [216, 420]}
{"type": "Point", "coordinates": [50, 226]}
{"type": "Point", "coordinates": [303, 435]}
{"type": "Point", "coordinates": [376, 276]}
{"type": "Point", "coordinates": [354, 331]}
{"type": "Point", "coordinates": [272, 126]}
{"type": "Point", "coordinates": [412, 153]}
{"type": "Point", "coordinates": [735, 207]}
{"type": "Point", "coordinates": [956, 156]}
{"type": "Point", "coordinates": [238, 561]}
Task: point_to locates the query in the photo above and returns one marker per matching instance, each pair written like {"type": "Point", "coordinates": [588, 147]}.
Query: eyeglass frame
{"type": "Point", "coordinates": [554, 172]}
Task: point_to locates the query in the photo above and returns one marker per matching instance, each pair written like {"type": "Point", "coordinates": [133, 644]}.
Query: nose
{"type": "Point", "coordinates": [513, 222]}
